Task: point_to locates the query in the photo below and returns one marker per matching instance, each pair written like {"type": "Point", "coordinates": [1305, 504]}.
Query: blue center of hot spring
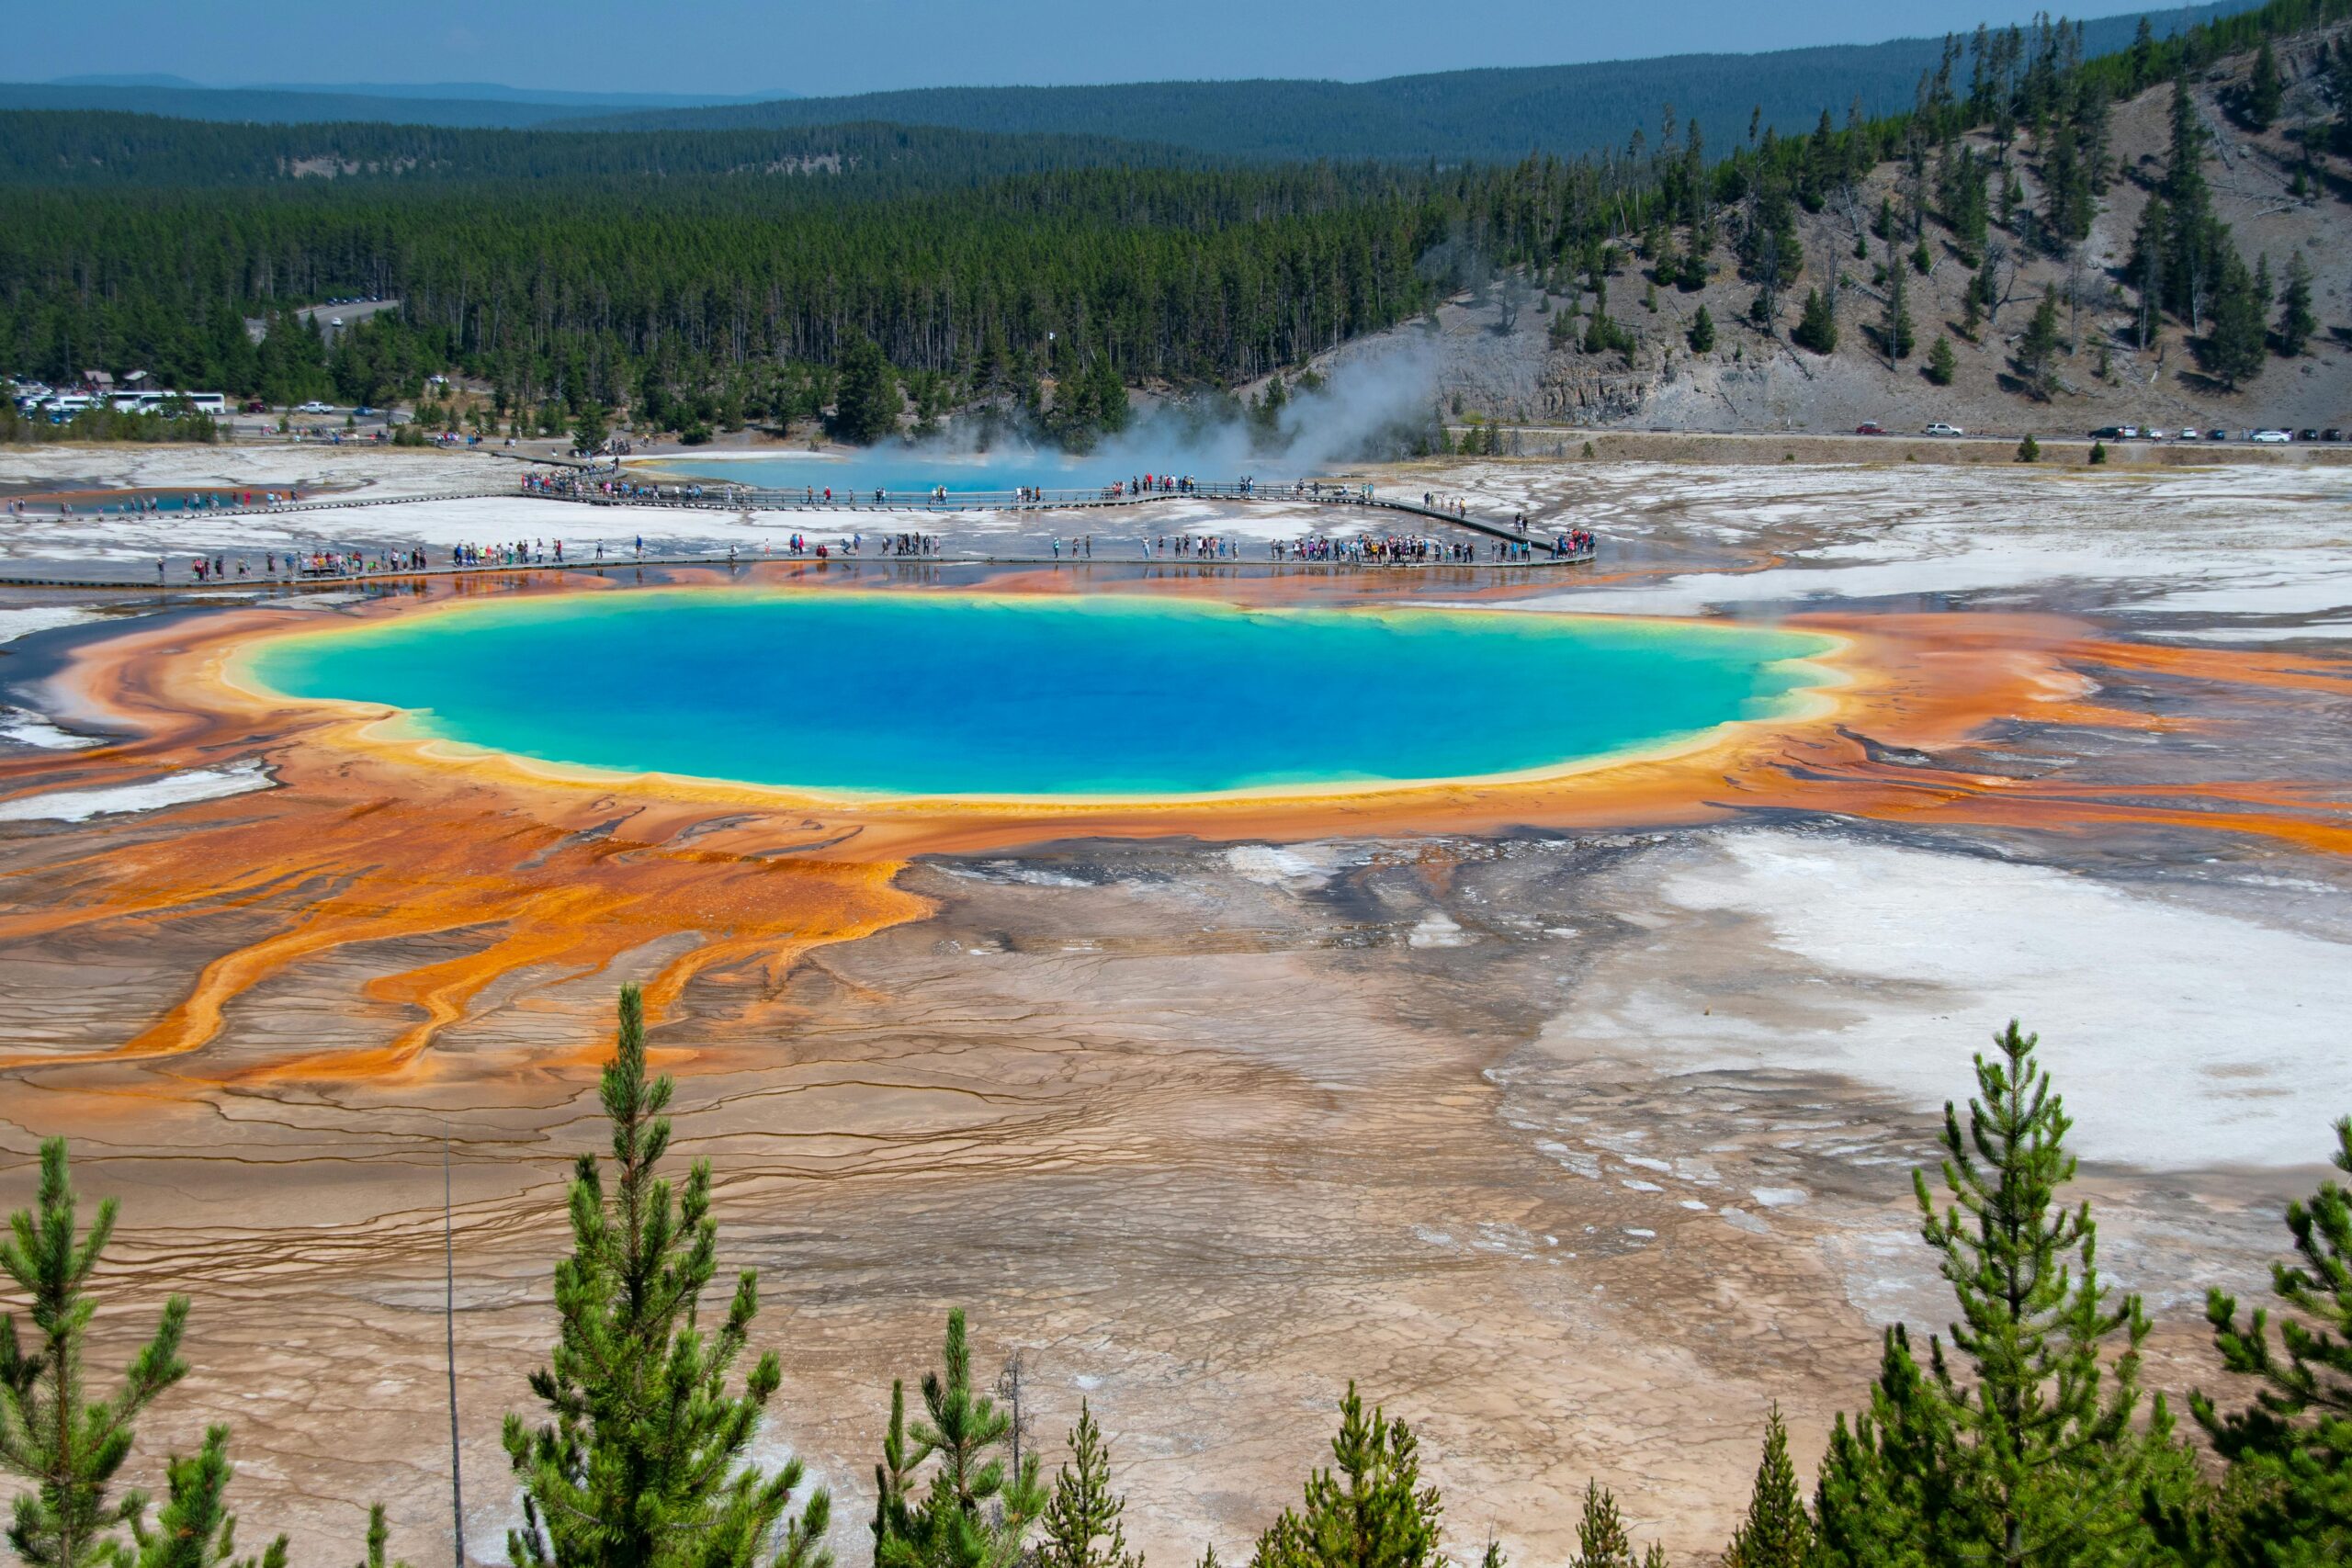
{"type": "Point", "coordinates": [953, 695]}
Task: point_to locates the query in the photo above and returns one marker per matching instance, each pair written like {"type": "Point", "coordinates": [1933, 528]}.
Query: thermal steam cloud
{"type": "Point", "coordinates": [1373, 400]}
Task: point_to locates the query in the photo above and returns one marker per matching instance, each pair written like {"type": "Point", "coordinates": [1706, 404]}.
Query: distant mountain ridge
{"type": "Point", "coordinates": [1477, 116]}
{"type": "Point", "coordinates": [498, 92]}
{"type": "Point", "coordinates": [1480, 116]}
{"type": "Point", "coordinates": [472, 104]}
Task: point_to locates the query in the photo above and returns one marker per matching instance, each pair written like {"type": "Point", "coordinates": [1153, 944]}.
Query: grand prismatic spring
{"type": "Point", "coordinates": [1522, 991]}
{"type": "Point", "coordinates": [950, 695]}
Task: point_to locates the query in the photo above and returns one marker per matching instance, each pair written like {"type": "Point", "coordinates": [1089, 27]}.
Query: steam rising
{"type": "Point", "coordinates": [1376, 400]}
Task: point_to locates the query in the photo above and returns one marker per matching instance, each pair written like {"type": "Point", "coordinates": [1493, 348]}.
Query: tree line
{"type": "Point", "coordinates": [2026, 1437]}
{"type": "Point", "coordinates": [80, 148]}
{"type": "Point", "coordinates": [570, 295]}
{"type": "Point", "coordinates": [579, 274]}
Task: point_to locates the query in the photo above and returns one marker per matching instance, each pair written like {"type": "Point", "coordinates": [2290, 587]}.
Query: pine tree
{"type": "Point", "coordinates": [1085, 1510]}
{"type": "Point", "coordinates": [588, 431]}
{"type": "Point", "coordinates": [2189, 242]}
{"type": "Point", "coordinates": [53, 1436]}
{"type": "Point", "coordinates": [1602, 1541]}
{"type": "Point", "coordinates": [894, 1476]}
{"type": "Point", "coordinates": [2263, 89]}
{"type": "Point", "coordinates": [378, 1536]}
{"type": "Point", "coordinates": [2235, 349]}
{"type": "Point", "coordinates": [1941, 362]}
{"type": "Point", "coordinates": [1895, 325]}
{"type": "Point", "coordinates": [1777, 1533]}
{"type": "Point", "coordinates": [2287, 1501]}
{"type": "Point", "coordinates": [196, 1529]}
{"type": "Point", "coordinates": [1817, 328]}
{"type": "Point", "coordinates": [1988, 288]}
{"type": "Point", "coordinates": [2038, 351]}
{"type": "Point", "coordinates": [978, 1512]}
{"type": "Point", "coordinates": [1112, 412]}
{"type": "Point", "coordinates": [866, 399]}
{"type": "Point", "coordinates": [2042, 1459]}
{"type": "Point", "coordinates": [1368, 1511]}
{"type": "Point", "coordinates": [1702, 332]}
{"type": "Point", "coordinates": [1871, 1504]}
{"type": "Point", "coordinates": [2296, 322]}
{"type": "Point", "coordinates": [643, 1465]}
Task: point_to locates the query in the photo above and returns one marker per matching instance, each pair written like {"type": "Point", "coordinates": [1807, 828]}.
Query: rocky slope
{"type": "Point", "coordinates": [1498, 369]}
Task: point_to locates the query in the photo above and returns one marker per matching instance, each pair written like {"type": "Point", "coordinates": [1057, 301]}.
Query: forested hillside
{"type": "Point", "coordinates": [478, 104]}
{"type": "Point", "coordinates": [572, 281]}
{"type": "Point", "coordinates": [576, 292]}
{"type": "Point", "coordinates": [2125, 243]}
{"type": "Point", "coordinates": [1476, 116]}
{"type": "Point", "coordinates": [265, 105]}
{"type": "Point", "coordinates": [1453, 116]}
{"type": "Point", "coordinates": [80, 149]}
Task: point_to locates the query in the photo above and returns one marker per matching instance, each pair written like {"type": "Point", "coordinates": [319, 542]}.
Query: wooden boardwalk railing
{"type": "Point", "coordinates": [717, 498]}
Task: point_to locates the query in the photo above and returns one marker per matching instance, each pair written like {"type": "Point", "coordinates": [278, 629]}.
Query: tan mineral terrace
{"type": "Point", "coordinates": [1555, 1111]}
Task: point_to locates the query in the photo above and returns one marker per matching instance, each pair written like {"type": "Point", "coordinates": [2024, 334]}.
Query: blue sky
{"type": "Point", "coordinates": [847, 46]}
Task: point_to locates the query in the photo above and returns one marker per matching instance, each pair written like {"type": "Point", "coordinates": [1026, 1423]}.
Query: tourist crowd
{"type": "Point", "coordinates": [155, 502]}
{"type": "Point", "coordinates": [606, 485]}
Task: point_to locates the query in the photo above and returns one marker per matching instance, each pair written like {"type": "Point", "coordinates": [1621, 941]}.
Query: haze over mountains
{"type": "Point", "coordinates": [1465, 116]}
{"type": "Point", "coordinates": [1460, 116]}
{"type": "Point", "coordinates": [469, 105]}
{"type": "Point", "coordinates": [486, 92]}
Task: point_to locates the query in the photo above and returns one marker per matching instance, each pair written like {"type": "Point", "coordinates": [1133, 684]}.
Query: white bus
{"type": "Point", "coordinates": [157, 401]}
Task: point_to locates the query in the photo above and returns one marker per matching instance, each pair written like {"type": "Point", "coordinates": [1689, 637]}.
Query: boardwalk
{"type": "Point", "coordinates": [742, 498]}
{"type": "Point", "coordinates": [743, 501]}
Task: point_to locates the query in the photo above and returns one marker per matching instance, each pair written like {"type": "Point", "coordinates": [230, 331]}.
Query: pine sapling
{"type": "Point", "coordinates": [1602, 1541]}
{"type": "Point", "coordinates": [644, 1463]}
{"type": "Point", "coordinates": [976, 1512]}
{"type": "Point", "coordinates": [1370, 1510]}
{"type": "Point", "coordinates": [195, 1529]}
{"type": "Point", "coordinates": [2289, 1498]}
{"type": "Point", "coordinates": [1776, 1533]}
{"type": "Point", "coordinates": [2045, 1449]}
{"type": "Point", "coordinates": [65, 1445]}
{"type": "Point", "coordinates": [1081, 1524]}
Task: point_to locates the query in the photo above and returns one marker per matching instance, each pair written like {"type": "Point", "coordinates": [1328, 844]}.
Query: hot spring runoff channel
{"type": "Point", "coordinates": [955, 695]}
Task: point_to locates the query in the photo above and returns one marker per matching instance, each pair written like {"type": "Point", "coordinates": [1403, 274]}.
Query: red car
{"type": "Point", "coordinates": [1870, 427]}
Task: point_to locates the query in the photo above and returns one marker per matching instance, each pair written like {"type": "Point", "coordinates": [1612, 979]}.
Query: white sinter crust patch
{"type": "Point", "coordinates": [1885, 964]}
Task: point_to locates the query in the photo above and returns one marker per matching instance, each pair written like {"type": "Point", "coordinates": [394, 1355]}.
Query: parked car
{"type": "Point", "coordinates": [2108, 432]}
{"type": "Point", "coordinates": [2271, 437]}
{"type": "Point", "coordinates": [1870, 427]}
{"type": "Point", "coordinates": [2330, 434]}
{"type": "Point", "coordinates": [2158, 435]}
{"type": "Point", "coordinates": [314, 406]}
{"type": "Point", "coordinates": [2307, 435]}
{"type": "Point", "coordinates": [1941, 428]}
{"type": "Point", "coordinates": [364, 412]}
{"type": "Point", "coordinates": [2217, 435]}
